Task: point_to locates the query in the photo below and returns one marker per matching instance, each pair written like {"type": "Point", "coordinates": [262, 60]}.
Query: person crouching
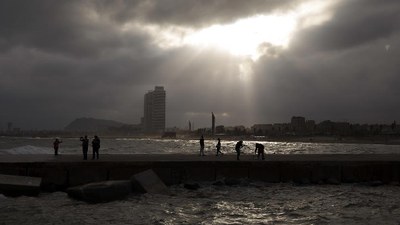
{"type": "Point", "coordinates": [259, 151]}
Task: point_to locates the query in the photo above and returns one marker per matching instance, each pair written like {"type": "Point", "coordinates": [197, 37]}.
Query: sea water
{"type": "Point", "coordinates": [247, 203]}
{"type": "Point", "coordinates": [18, 145]}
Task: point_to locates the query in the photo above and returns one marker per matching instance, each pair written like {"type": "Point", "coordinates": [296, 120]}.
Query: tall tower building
{"type": "Point", "coordinates": [154, 110]}
{"type": "Point", "coordinates": [212, 123]}
{"type": "Point", "coordinates": [298, 123]}
{"type": "Point", "coordinates": [9, 126]}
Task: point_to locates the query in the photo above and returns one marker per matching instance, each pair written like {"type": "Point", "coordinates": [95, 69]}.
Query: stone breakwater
{"type": "Point", "coordinates": [61, 172]}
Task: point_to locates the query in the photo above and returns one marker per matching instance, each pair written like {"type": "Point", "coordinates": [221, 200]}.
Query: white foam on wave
{"type": "Point", "coordinates": [27, 149]}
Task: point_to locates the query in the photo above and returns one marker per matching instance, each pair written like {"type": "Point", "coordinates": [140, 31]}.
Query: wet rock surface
{"type": "Point", "coordinates": [101, 191]}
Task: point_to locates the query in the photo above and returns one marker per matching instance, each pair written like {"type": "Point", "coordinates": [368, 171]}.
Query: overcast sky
{"type": "Point", "coordinates": [249, 62]}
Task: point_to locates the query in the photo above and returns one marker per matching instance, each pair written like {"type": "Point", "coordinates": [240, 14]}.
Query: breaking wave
{"type": "Point", "coordinates": [177, 146]}
{"type": "Point", "coordinates": [28, 149]}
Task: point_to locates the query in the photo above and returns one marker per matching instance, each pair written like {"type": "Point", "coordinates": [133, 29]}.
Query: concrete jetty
{"type": "Point", "coordinates": [19, 185]}
{"type": "Point", "coordinates": [60, 172]}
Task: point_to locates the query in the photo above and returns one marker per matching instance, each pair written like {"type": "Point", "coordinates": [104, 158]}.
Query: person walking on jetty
{"type": "Point", "coordinates": [259, 151]}
{"type": "Point", "coordinates": [56, 145]}
{"type": "Point", "coordinates": [218, 146]}
{"type": "Point", "coordinates": [238, 146]}
{"type": "Point", "coordinates": [96, 147]}
{"type": "Point", "coordinates": [202, 146]}
{"type": "Point", "coordinates": [85, 146]}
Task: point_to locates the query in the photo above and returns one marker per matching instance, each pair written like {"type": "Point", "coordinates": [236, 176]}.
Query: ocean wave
{"type": "Point", "coordinates": [161, 146]}
{"type": "Point", "coordinates": [27, 149]}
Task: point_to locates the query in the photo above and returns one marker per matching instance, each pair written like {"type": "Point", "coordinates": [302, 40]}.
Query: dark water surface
{"type": "Point", "coordinates": [249, 203]}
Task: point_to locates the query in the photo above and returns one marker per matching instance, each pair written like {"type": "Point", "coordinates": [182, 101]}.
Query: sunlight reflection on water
{"type": "Point", "coordinates": [249, 203]}
{"type": "Point", "coordinates": [167, 146]}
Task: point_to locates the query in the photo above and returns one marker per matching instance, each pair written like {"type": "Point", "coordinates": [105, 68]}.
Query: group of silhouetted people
{"type": "Point", "coordinates": [85, 146]}
{"type": "Point", "coordinates": [95, 147]}
{"type": "Point", "coordinates": [259, 151]}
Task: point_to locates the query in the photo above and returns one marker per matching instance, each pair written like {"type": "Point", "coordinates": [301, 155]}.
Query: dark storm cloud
{"type": "Point", "coordinates": [60, 60]}
{"type": "Point", "coordinates": [189, 12]}
{"type": "Point", "coordinates": [65, 27]}
{"type": "Point", "coordinates": [41, 24]}
{"type": "Point", "coordinates": [337, 87]}
{"type": "Point", "coordinates": [354, 23]}
{"type": "Point", "coordinates": [344, 69]}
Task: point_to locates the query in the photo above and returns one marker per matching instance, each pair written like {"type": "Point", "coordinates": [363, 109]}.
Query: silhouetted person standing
{"type": "Point", "coordinates": [96, 147]}
{"type": "Point", "coordinates": [238, 146]}
{"type": "Point", "coordinates": [56, 145]}
{"type": "Point", "coordinates": [202, 146]}
{"type": "Point", "coordinates": [218, 146]}
{"type": "Point", "coordinates": [85, 147]}
{"type": "Point", "coordinates": [259, 150]}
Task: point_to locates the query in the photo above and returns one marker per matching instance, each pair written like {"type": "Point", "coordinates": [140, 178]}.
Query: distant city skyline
{"type": "Point", "coordinates": [294, 122]}
{"type": "Point", "coordinates": [247, 61]}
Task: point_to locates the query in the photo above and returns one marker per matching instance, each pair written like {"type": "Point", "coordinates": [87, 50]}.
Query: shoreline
{"type": "Point", "coordinates": [311, 139]}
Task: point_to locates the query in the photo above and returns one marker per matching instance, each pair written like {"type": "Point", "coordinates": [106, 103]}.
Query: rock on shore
{"type": "Point", "coordinates": [101, 191]}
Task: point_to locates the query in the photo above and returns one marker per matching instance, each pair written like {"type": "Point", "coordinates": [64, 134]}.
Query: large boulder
{"type": "Point", "coordinates": [101, 191]}
{"type": "Point", "coordinates": [19, 185]}
{"type": "Point", "coordinates": [148, 181]}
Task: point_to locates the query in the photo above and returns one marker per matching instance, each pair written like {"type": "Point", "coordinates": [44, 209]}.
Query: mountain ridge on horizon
{"type": "Point", "coordinates": [92, 124]}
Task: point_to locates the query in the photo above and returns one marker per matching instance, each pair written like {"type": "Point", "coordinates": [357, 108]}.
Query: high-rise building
{"type": "Point", "coordinates": [298, 123]}
{"type": "Point", "coordinates": [9, 126]}
{"type": "Point", "coordinates": [154, 110]}
{"type": "Point", "coordinates": [212, 123]}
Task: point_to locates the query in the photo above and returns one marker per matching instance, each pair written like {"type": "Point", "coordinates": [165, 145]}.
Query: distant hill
{"type": "Point", "coordinates": [92, 125]}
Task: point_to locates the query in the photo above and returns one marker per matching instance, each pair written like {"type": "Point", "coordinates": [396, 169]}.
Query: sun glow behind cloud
{"type": "Point", "coordinates": [244, 36]}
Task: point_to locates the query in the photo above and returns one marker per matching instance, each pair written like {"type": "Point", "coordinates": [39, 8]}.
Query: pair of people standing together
{"type": "Point", "coordinates": [95, 146]}
{"type": "Point", "coordinates": [218, 146]}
